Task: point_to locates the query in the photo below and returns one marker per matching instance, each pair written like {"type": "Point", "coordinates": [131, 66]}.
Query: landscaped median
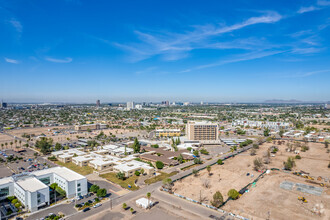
{"type": "Point", "coordinates": [122, 182]}
{"type": "Point", "coordinates": [85, 170]}
{"type": "Point", "coordinates": [160, 177]}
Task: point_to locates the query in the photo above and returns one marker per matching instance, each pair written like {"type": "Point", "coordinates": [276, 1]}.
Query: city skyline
{"type": "Point", "coordinates": [79, 51]}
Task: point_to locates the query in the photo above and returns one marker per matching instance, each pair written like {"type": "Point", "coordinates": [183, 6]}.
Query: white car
{"type": "Point", "coordinates": [97, 205]}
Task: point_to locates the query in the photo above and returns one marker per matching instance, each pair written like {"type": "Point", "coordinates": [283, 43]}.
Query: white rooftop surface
{"type": "Point", "coordinates": [100, 162]}
{"type": "Point", "coordinates": [131, 166]}
{"type": "Point", "coordinates": [144, 202]}
{"type": "Point", "coordinates": [64, 172]}
{"type": "Point", "coordinates": [65, 156]}
{"type": "Point", "coordinates": [204, 123]}
{"type": "Point", "coordinates": [168, 130]}
{"type": "Point", "coordinates": [110, 147]}
{"type": "Point", "coordinates": [6, 180]}
{"type": "Point", "coordinates": [82, 158]}
{"type": "Point", "coordinates": [31, 184]}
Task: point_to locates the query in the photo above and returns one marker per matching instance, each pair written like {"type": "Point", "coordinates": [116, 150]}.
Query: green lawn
{"type": "Point", "coordinates": [123, 183]}
{"type": "Point", "coordinates": [82, 170]}
{"type": "Point", "coordinates": [160, 177]}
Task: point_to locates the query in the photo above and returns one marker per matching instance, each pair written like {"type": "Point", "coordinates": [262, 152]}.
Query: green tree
{"type": "Point", "coordinates": [132, 210]}
{"type": "Point", "coordinates": [137, 173]}
{"type": "Point", "coordinates": [124, 206]}
{"type": "Point", "coordinates": [326, 144]}
{"type": "Point", "coordinates": [289, 164]}
{"type": "Point", "coordinates": [58, 146]}
{"type": "Point", "coordinates": [233, 194]}
{"type": "Point", "coordinates": [167, 183]}
{"type": "Point", "coordinates": [196, 153]}
{"type": "Point", "coordinates": [94, 188]}
{"type": "Point", "coordinates": [159, 164]}
{"type": "Point", "coordinates": [44, 144]}
{"type": "Point", "coordinates": [198, 161]}
{"type": "Point", "coordinates": [255, 146]}
{"type": "Point", "coordinates": [142, 171]}
{"type": "Point", "coordinates": [148, 196]}
{"type": "Point", "coordinates": [195, 172]}
{"type": "Point", "coordinates": [217, 199]}
{"type": "Point", "coordinates": [136, 146]}
{"type": "Point", "coordinates": [180, 158]}
{"type": "Point", "coordinates": [257, 163]}
{"type": "Point", "coordinates": [219, 162]}
{"type": "Point", "coordinates": [208, 168]}
{"type": "Point", "coordinates": [266, 132]}
{"type": "Point", "coordinates": [101, 192]}
{"type": "Point", "coordinates": [53, 185]}
{"type": "Point", "coordinates": [120, 175]}
{"type": "Point", "coordinates": [60, 191]}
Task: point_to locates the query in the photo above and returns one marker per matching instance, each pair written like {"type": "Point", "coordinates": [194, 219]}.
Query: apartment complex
{"type": "Point", "coordinates": [262, 124]}
{"type": "Point", "coordinates": [168, 133]}
{"type": "Point", "coordinates": [202, 130]}
{"type": "Point", "coordinates": [32, 189]}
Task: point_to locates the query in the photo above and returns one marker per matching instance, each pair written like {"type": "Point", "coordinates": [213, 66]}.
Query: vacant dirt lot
{"type": "Point", "coordinates": [267, 198]}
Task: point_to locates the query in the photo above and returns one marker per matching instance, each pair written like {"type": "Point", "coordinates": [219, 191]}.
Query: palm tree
{"type": "Point", "coordinates": [1, 146]}
{"type": "Point", "coordinates": [6, 144]}
{"type": "Point", "coordinates": [148, 196]}
{"type": "Point", "coordinates": [11, 144]}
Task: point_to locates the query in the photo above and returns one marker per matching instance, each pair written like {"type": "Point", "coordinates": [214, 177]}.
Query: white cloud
{"type": "Point", "coordinates": [307, 50]}
{"type": "Point", "coordinates": [244, 57]}
{"type": "Point", "coordinates": [65, 60]}
{"type": "Point", "coordinates": [11, 60]}
{"type": "Point", "coordinates": [16, 24]}
{"type": "Point", "coordinates": [175, 46]}
{"type": "Point", "coordinates": [307, 9]}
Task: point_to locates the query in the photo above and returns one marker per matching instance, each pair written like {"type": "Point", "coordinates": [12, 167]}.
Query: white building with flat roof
{"type": "Point", "coordinates": [130, 167]}
{"type": "Point", "coordinates": [32, 190]}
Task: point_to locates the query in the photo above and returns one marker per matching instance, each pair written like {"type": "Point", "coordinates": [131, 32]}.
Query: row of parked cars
{"type": "Point", "coordinates": [3, 154]}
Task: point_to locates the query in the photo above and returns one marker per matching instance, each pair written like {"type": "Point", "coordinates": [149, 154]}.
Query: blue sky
{"type": "Point", "coordinates": [224, 51]}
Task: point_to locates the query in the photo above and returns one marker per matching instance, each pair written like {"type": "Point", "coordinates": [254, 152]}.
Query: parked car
{"type": "Point", "coordinates": [97, 205]}
{"type": "Point", "coordinates": [86, 209]}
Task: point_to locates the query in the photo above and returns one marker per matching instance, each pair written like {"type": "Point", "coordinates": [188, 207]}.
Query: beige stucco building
{"type": "Point", "coordinates": [201, 131]}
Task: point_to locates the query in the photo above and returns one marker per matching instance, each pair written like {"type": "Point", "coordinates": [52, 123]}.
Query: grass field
{"type": "Point", "coordinates": [123, 183]}
{"type": "Point", "coordinates": [160, 177]}
{"type": "Point", "coordinates": [82, 170]}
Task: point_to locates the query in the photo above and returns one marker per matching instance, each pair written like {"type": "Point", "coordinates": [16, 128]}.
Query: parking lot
{"type": "Point", "coordinates": [5, 171]}
{"type": "Point", "coordinates": [28, 162]}
{"type": "Point", "coordinates": [66, 208]}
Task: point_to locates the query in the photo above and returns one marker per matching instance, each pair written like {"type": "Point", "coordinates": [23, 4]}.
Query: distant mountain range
{"type": "Point", "coordinates": [291, 101]}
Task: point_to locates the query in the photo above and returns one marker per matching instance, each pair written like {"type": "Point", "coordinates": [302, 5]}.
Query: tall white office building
{"type": "Point", "coordinates": [130, 105]}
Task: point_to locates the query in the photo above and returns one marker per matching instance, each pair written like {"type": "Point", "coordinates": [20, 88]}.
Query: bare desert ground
{"type": "Point", "coordinates": [267, 198]}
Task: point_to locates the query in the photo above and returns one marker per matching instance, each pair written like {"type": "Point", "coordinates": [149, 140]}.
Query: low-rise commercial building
{"type": "Point", "coordinates": [130, 167]}
{"type": "Point", "coordinates": [168, 133]}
